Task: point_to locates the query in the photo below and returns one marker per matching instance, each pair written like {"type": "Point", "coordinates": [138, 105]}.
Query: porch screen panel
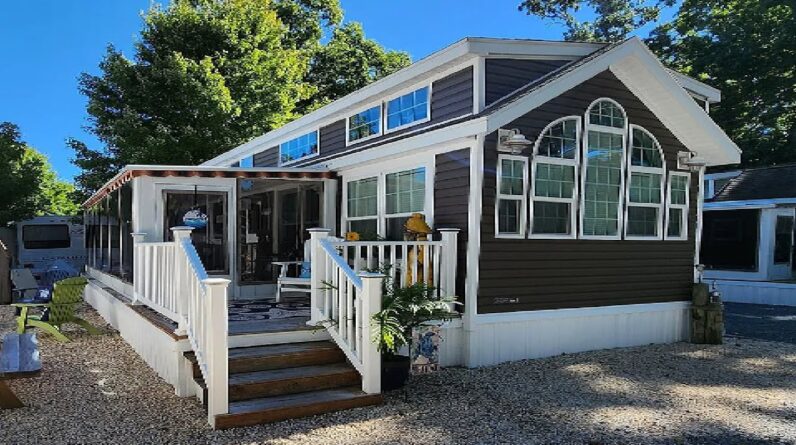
{"type": "Point", "coordinates": [211, 240]}
{"type": "Point", "coordinates": [730, 239]}
{"type": "Point", "coordinates": [126, 217]}
{"type": "Point", "coordinates": [783, 239]}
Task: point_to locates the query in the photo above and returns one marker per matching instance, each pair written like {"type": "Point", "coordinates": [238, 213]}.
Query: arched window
{"type": "Point", "coordinates": [603, 164]}
{"type": "Point", "coordinates": [555, 169]}
{"type": "Point", "coordinates": [644, 217]}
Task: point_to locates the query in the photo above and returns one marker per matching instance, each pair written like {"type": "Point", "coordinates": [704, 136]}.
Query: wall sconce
{"type": "Point", "coordinates": [512, 141]}
{"type": "Point", "coordinates": [687, 160]}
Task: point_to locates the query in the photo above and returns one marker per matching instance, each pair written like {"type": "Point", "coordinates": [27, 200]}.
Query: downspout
{"type": "Point", "coordinates": [698, 228]}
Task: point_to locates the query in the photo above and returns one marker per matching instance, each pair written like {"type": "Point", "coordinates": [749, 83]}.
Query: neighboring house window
{"type": "Point", "coordinates": [304, 146]}
{"type": "Point", "coordinates": [555, 167]}
{"type": "Point", "coordinates": [362, 207]}
{"type": "Point", "coordinates": [645, 187]}
{"type": "Point", "coordinates": [405, 193]}
{"type": "Point", "coordinates": [783, 239]}
{"type": "Point", "coordinates": [246, 162]}
{"type": "Point", "coordinates": [603, 163]}
{"type": "Point", "coordinates": [407, 109]}
{"type": "Point", "coordinates": [512, 185]}
{"type": "Point", "coordinates": [677, 221]}
{"type": "Point", "coordinates": [364, 124]}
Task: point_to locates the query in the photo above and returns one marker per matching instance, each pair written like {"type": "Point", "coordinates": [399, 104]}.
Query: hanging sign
{"type": "Point", "coordinates": [195, 218]}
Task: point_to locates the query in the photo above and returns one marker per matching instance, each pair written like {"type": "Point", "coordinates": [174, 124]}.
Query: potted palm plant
{"type": "Point", "coordinates": [404, 309]}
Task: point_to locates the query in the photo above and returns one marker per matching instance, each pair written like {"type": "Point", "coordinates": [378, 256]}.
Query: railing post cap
{"type": "Point", "coordinates": [181, 229]}
{"type": "Point", "coordinates": [371, 275]}
{"type": "Point", "coordinates": [448, 229]}
{"type": "Point", "coordinates": [216, 282]}
{"type": "Point", "coordinates": [319, 230]}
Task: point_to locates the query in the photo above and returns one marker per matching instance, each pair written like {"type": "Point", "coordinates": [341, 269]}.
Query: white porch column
{"type": "Point", "coordinates": [450, 239]}
{"type": "Point", "coordinates": [216, 325]}
{"type": "Point", "coordinates": [371, 357]}
{"type": "Point", "coordinates": [138, 265]}
{"type": "Point", "coordinates": [317, 272]}
{"type": "Point", "coordinates": [180, 233]}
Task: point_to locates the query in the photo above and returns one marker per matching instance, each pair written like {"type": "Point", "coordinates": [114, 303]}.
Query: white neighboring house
{"type": "Point", "coordinates": [563, 180]}
{"type": "Point", "coordinates": [748, 234]}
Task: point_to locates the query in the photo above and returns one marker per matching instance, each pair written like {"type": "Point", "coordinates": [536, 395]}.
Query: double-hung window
{"type": "Point", "coordinates": [677, 220]}
{"type": "Point", "coordinates": [644, 219]}
{"type": "Point", "coordinates": [362, 207]}
{"type": "Point", "coordinates": [512, 186]}
{"type": "Point", "coordinates": [304, 146]}
{"type": "Point", "coordinates": [405, 193]}
{"type": "Point", "coordinates": [603, 164]}
{"type": "Point", "coordinates": [410, 108]}
{"type": "Point", "coordinates": [555, 167]}
{"type": "Point", "coordinates": [364, 124]}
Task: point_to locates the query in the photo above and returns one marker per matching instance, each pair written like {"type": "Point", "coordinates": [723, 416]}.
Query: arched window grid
{"type": "Point", "coordinates": [645, 192]}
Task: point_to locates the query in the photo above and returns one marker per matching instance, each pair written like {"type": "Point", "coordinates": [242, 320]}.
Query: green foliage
{"type": "Point", "coordinates": [615, 18]}
{"type": "Point", "coordinates": [405, 308]}
{"type": "Point", "coordinates": [208, 75]}
{"type": "Point", "coordinates": [30, 187]}
{"type": "Point", "coordinates": [746, 48]}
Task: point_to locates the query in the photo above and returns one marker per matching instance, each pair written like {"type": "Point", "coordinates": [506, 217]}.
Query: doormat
{"type": "Point", "coordinates": [262, 310]}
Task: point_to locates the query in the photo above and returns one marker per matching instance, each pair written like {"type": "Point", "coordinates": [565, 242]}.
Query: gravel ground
{"type": "Point", "coordinates": [97, 390]}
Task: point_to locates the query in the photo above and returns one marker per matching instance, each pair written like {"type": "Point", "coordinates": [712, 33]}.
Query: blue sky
{"type": "Point", "coordinates": [46, 44]}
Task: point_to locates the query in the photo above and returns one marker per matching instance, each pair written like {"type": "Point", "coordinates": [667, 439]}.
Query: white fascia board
{"type": "Point", "coordinates": [456, 54]}
{"type": "Point", "coordinates": [487, 47]}
{"type": "Point", "coordinates": [750, 204]}
{"type": "Point", "coordinates": [212, 168]}
{"type": "Point", "coordinates": [712, 95]}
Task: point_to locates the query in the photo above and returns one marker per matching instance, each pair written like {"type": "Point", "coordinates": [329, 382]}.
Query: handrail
{"type": "Point", "coordinates": [340, 262]}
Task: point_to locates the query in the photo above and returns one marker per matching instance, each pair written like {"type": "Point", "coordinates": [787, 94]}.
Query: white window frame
{"type": "Point", "coordinates": [317, 153]}
{"type": "Point", "coordinates": [585, 164]}
{"type": "Point", "coordinates": [360, 218]}
{"type": "Point", "coordinates": [573, 202]}
{"type": "Point", "coordinates": [684, 214]}
{"type": "Point", "coordinates": [385, 107]}
{"type": "Point", "coordinates": [652, 170]}
{"type": "Point", "coordinates": [380, 106]}
{"type": "Point", "coordinates": [380, 171]}
{"type": "Point", "coordinates": [523, 198]}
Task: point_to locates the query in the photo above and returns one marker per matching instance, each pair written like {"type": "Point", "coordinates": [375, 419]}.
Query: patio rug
{"type": "Point", "coordinates": [263, 310]}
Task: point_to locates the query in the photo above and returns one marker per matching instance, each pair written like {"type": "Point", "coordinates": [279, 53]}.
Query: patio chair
{"type": "Point", "coordinates": [300, 283]}
{"type": "Point", "coordinates": [67, 294]}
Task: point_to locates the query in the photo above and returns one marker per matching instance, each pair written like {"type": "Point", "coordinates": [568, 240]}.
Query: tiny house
{"type": "Point", "coordinates": [563, 181]}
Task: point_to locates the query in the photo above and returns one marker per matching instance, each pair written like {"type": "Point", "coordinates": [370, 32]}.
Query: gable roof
{"type": "Point", "coordinates": [776, 182]}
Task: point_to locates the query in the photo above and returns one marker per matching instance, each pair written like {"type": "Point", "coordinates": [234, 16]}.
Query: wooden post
{"type": "Point", "coordinates": [181, 233]}
{"type": "Point", "coordinates": [138, 268]}
{"type": "Point", "coordinates": [371, 357]}
{"type": "Point", "coordinates": [215, 309]}
{"type": "Point", "coordinates": [449, 261]}
{"type": "Point", "coordinates": [317, 272]}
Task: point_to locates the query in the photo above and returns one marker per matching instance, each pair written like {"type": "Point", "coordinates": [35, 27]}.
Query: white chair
{"type": "Point", "coordinates": [301, 283]}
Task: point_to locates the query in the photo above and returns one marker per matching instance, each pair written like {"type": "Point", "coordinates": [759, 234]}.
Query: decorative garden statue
{"type": "Point", "coordinates": [416, 229]}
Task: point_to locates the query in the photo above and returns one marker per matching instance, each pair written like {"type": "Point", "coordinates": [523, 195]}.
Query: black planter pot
{"type": "Point", "coordinates": [394, 371]}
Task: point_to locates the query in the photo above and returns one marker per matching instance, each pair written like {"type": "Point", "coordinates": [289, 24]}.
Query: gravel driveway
{"type": "Point", "coordinates": [97, 390]}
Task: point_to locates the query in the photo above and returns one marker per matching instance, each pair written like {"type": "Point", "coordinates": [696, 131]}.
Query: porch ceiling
{"type": "Point", "coordinates": [134, 171]}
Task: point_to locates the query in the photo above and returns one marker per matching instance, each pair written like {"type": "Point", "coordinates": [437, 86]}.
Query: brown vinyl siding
{"type": "Point", "coordinates": [451, 200]}
{"type": "Point", "coordinates": [267, 158]}
{"type": "Point", "coordinates": [552, 274]}
{"type": "Point", "coordinates": [504, 76]}
{"type": "Point", "coordinates": [451, 97]}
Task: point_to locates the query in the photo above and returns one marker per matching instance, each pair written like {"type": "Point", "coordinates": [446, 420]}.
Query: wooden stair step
{"type": "Point", "coordinates": [274, 382]}
{"type": "Point", "coordinates": [258, 358]}
{"type": "Point", "coordinates": [291, 406]}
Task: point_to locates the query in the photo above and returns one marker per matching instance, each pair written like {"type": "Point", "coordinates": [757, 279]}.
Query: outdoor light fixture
{"type": "Point", "coordinates": [512, 141]}
{"type": "Point", "coordinates": [687, 160]}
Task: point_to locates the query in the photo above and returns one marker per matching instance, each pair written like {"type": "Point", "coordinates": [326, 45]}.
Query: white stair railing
{"type": "Point", "coordinates": [346, 292]}
{"type": "Point", "coordinates": [171, 279]}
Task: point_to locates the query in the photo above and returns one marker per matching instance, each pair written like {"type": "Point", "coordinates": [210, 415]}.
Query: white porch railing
{"type": "Point", "coordinates": [171, 279]}
{"type": "Point", "coordinates": [346, 291]}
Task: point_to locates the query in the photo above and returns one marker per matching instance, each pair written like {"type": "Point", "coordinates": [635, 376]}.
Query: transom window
{"type": "Point", "coordinates": [555, 164]}
{"type": "Point", "coordinates": [304, 146]}
{"type": "Point", "coordinates": [677, 221]}
{"type": "Point", "coordinates": [407, 109]}
{"type": "Point", "coordinates": [364, 124]}
{"type": "Point", "coordinates": [607, 113]}
{"type": "Point", "coordinates": [512, 186]}
{"type": "Point", "coordinates": [645, 188]}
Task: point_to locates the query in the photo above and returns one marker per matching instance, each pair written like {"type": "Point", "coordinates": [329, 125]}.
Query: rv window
{"type": "Point", "coordinates": [46, 236]}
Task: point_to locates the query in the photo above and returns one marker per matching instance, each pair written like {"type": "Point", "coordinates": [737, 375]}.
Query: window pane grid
{"type": "Point", "coordinates": [512, 177]}
{"type": "Point", "coordinates": [645, 152]}
{"type": "Point", "coordinates": [362, 198]}
{"type": "Point", "coordinates": [607, 114]}
{"type": "Point", "coordinates": [551, 218]}
{"type": "Point", "coordinates": [407, 109]}
{"type": "Point", "coordinates": [602, 188]}
{"type": "Point", "coordinates": [301, 147]}
{"type": "Point", "coordinates": [554, 181]}
{"type": "Point", "coordinates": [642, 221]}
{"type": "Point", "coordinates": [560, 140]}
{"type": "Point", "coordinates": [645, 188]}
{"type": "Point", "coordinates": [406, 191]}
{"type": "Point", "coordinates": [364, 124]}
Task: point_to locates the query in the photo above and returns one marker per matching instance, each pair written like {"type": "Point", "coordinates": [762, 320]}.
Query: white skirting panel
{"type": "Point", "coordinates": [498, 338]}
{"type": "Point", "coordinates": [160, 351]}
{"type": "Point", "coordinates": [451, 348]}
{"type": "Point", "coordinates": [757, 292]}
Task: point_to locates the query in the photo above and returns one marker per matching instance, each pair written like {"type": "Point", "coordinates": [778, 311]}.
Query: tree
{"type": "Point", "coordinates": [30, 187]}
{"type": "Point", "coordinates": [747, 49]}
{"type": "Point", "coordinates": [614, 21]}
{"type": "Point", "coordinates": [208, 75]}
